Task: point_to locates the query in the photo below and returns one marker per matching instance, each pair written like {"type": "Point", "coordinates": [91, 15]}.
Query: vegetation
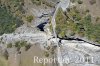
{"type": "Point", "coordinates": [9, 21]}
{"type": "Point", "coordinates": [48, 48]}
{"type": "Point", "coordinates": [80, 1]}
{"type": "Point", "coordinates": [46, 54]}
{"type": "Point", "coordinates": [6, 55]}
{"type": "Point", "coordinates": [29, 18]}
{"type": "Point", "coordinates": [9, 45]}
{"type": "Point", "coordinates": [27, 47]}
{"type": "Point", "coordinates": [37, 2]}
{"type": "Point", "coordinates": [51, 49]}
{"type": "Point", "coordinates": [61, 22]}
{"type": "Point", "coordinates": [97, 19]}
{"type": "Point", "coordinates": [20, 44]}
{"type": "Point", "coordinates": [73, 1]}
{"type": "Point", "coordinates": [76, 23]}
{"type": "Point", "coordinates": [14, 6]}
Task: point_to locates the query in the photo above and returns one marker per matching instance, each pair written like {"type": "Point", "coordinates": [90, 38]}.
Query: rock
{"type": "Point", "coordinates": [80, 53]}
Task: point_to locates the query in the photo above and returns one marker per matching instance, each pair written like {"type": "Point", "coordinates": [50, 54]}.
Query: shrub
{"type": "Point", "coordinates": [27, 47]}
{"type": "Point", "coordinates": [46, 54]}
{"type": "Point", "coordinates": [20, 44]}
{"type": "Point", "coordinates": [87, 10]}
{"type": "Point", "coordinates": [9, 45]}
{"type": "Point", "coordinates": [30, 18]}
{"type": "Point", "coordinates": [73, 1]}
{"type": "Point", "coordinates": [80, 1]}
{"type": "Point", "coordinates": [48, 48]}
{"type": "Point", "coordinates": [68, 9]}
{"type": "Point", "coordinates": [37, 2]}
{"type": "Point", "coordinates": [97, 19]}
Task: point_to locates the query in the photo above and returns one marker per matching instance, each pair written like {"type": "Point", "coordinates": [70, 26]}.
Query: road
{"type": "Point", "coordinates": [63, 4]}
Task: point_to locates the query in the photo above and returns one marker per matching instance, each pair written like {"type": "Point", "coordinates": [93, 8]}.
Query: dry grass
{"type": "Point", "coordinates": [27, 57]}
{"type": "Point", "coordinates": [3, 61]}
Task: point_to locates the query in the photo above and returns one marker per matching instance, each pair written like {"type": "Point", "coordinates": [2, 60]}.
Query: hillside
{"type": "Point", "coordinates": [56, 32]}
{"type": "Point", "coordinates": [80, 21]}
